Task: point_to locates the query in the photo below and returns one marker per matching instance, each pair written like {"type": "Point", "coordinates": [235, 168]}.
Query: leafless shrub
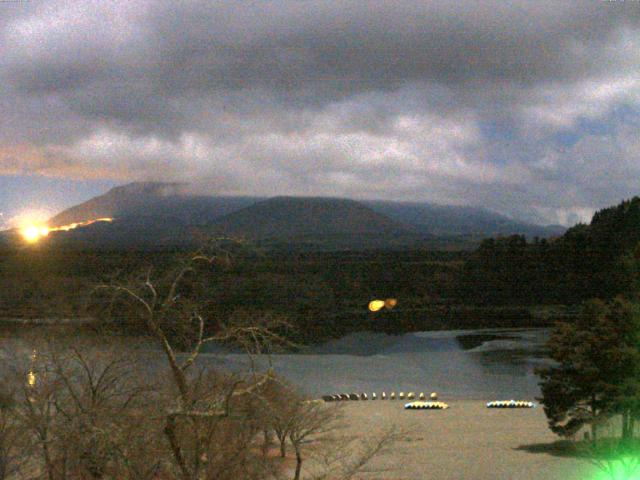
{"type": "Point", "coordinates": [77, 407]}
{"type": "Point", "coordinates": [346, 457]}
{"type": "Point", "coordinates": [314, 431]}
{"type": "Point", "coordinates": [89, 417]}
{"type": "Point", "coordinates": [12, 445]}
{"type": "Point", "coordinates": [206, 428]}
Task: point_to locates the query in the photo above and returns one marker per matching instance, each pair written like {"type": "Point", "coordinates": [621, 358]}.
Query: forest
{"type": "Point", "coordinates": [599, 260]}
{"type": "Point", "coordinates": [506, 281]}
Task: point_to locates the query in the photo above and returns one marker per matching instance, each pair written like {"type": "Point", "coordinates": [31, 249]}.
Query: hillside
{"type": "Point", "coordinates": [308, 217]}
{"type": "Point", "coordinates": [164, 214]}
{"type": "Point", "coordinates": [146, 232]}
{"type": "Point", "coordinates": [173, 199]}
{"type": "Point", "coordinates": [153, 200]}
{"type": "Point", "coordinates": [306, 222]}
{"type": "Point", "coordinates": [459, 220]}
{"type": "Point", "coordinates": [600, 260]}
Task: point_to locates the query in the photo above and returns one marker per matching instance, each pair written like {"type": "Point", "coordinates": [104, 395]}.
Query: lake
{"type": "Point", "coordinates": [465, 364]}
{"type": "Point", "coordinates": [476, 364]}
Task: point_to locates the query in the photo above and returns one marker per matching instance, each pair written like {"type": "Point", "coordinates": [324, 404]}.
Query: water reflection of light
{"type": "Point", "coordinates": [31, 376]}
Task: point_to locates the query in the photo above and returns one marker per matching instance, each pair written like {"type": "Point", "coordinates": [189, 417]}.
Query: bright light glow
{"type": "Point", "coordinates": [32, 233]}
{"type": "Point", "coordinates": [620, 469]}
{"type": "Point", "coordinates": [376, 305]}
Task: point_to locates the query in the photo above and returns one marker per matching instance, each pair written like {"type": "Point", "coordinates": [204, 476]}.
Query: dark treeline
{"type": "Point", "coordinates": [322, 294]}
{"type": "Point", "coordinates": [600, 260]}
{"type": "Point", "coordinates": [505, 282]}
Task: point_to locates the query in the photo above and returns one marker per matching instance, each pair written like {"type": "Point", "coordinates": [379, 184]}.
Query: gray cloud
{"type": "Point", "coordinates": [514, 107]}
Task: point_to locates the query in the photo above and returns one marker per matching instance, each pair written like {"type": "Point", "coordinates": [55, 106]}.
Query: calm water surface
{"type": "Point", "coordinates": [476, 364]}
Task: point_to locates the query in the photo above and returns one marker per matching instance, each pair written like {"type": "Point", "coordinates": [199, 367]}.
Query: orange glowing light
{"type": "Point", "coordinates": [34, 233]}
{"type": "Point", "coordinates": [389, 303]}
{"type": "Point", "coordinates": [376, 305]}
{"type": "Point", "coordinates": [31, 234]}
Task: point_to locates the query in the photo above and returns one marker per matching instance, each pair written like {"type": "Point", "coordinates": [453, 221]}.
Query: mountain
{"type": "Point", "coordinates": [459, 220]}
{"type": "Point", "coordinates": [302, 217]}
{"type": "Point", "coordinates": [167, 214]}
{"type": "Point", "coordinates": [146, 232]}
{"type": "Point", "coordinates": [153, 200]}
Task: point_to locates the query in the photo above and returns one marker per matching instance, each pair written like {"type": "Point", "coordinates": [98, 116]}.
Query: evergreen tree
{"type": "Point", "coordinates": [598, 364]}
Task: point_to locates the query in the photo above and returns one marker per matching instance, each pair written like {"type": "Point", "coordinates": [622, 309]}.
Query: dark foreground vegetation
{"type": "Point", "coordinates": [97, 411]}
{"type": "Point", "coordinates": [594, 386]}
{"type": "Point", "coordinates": [323, 294]}
{"type": "Point", "coordinates": [600, 260]}
{"type": "Point", "coordinates": [593, 389]}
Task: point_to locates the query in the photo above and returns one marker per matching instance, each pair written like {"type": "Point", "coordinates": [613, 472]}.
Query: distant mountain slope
{"type": "Point", "coordinates": [458, 220]}
{"type": "Point", "coordinates": [166, 214]}
{"type": "Point", "coordinates": [153, 200]}
{"type": "Point", "coordinates": [286, 217]}
{"type": "Point", "coordinates": [133, 232]}
{"type": "Point", "coordinates": [114, 202]}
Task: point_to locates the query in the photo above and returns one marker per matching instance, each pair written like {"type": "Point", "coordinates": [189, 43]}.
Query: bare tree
{"type": "Point", "coordinates": [196, 413]}
{"type": "Point", "coordinates": [213, 422]}
{"type": "Point", "coordinates": [76, 407]}
{"type": "Point", "coordinates": [313, 429]}
{"type": "Point", "coordinates": [12, 443]}
{"type": "Point", "coordinates": [308, 419]}
{"type": "Point", "coordinates": [280, 407]}
{"type": "Point", "coordinates": [99, 396]}
{"type": "Point", "coordinates": [37, 416]}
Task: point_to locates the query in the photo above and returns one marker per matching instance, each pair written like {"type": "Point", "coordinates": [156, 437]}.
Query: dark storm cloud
{"type": "Point", "coordinates": [182, 46]}
{"type": "Point", "coordinates": [441, 101]}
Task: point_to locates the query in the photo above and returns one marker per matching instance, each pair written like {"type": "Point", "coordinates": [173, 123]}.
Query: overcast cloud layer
{"type": "Point", "coordinates": [531, 108]}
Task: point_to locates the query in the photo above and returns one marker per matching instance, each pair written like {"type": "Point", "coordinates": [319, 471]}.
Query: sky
{"type": "Point", "coordinates": [528, 108]}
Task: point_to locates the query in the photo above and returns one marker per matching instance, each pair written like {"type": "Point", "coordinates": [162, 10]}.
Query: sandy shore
{"type": "Point", "coordinates": [467, 441]}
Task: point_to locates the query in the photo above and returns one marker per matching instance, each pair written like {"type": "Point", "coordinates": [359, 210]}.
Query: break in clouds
{"type": "Point", "coordinates": [530, 108]}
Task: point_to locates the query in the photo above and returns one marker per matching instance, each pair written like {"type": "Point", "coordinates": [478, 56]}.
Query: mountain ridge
{"type": "Point", "coordinates": [170, 209]}
{"type": "Point", "coordinates": [285, 216]}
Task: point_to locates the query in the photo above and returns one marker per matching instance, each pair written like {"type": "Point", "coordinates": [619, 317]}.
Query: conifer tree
{"type": "Point", "coordinates": [597, 370]}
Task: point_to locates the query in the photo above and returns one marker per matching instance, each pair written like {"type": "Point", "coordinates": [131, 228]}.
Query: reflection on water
{"type": "Point", "coordinates": [500, 363]}
{"type": "Point", "coordinates": [31, 379]}
{"type": "Point", "coordinates": [515, 354]}
{"type": "Point", "coordinates": [31, 376]}
{"type": "Point", "coordinates": [470, 341]}
{"type": "Point", "coordinates": [483, 364]}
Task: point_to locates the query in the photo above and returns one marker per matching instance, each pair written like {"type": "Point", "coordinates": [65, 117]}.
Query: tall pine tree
{"type": "Point", "coordinates": [597, 370]}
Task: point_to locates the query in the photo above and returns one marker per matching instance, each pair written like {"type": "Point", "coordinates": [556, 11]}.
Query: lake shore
{"type": "Point", "coordinates": [466, 441]}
